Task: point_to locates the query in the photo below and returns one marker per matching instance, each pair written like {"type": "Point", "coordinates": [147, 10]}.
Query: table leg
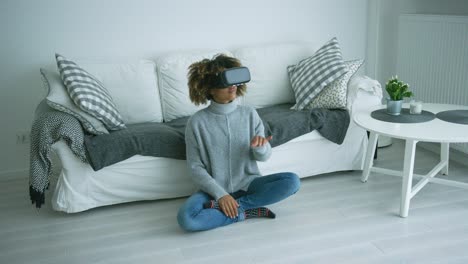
{"type": "Point", "coordinates": [444, 156]}
{"type": "Point", "coordinates": [408, 166]}
{"type": "Point", "coordinates": [369, 158]}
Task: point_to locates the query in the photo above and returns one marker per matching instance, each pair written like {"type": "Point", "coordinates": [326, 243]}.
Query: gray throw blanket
{"type": "Point", "coordinates": [146, 139]}
{"type": "Point", "coordinates": [50, 126]}
{"type": "Point", "coordinates": [167, 139]}
{"type": "Point", "coordinates": [285, 124]}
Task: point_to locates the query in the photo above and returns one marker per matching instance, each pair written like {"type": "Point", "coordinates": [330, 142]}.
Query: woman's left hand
{"type": "Point", "coordinates": [259, 141]}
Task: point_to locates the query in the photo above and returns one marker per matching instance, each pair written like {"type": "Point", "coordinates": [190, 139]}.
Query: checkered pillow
{"type": "Point", "coordinates": [89, 94]}
{"type": "Point", "coordinates": [58, 99]}
{"type": "Point", "coordinates": [310, 76]}
{"type": "Point", "coordinates": [334, 95]}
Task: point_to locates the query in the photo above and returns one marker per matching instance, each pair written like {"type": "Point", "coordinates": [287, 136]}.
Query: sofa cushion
{"type": "Point", "coordinates": [133, 87]}
{"type": "Point", "coordinates": [268, 67]}
{"type": "Point", "coordinates": [310, 76]}
{"type": "Point", "coordinates": [58, 99]}
{"type": "Point", "coordinates": [88, 93]}
{"type": "Point", "coordinates": [334, 95]}
{"type": "Point", "coordinates": [172, 72]}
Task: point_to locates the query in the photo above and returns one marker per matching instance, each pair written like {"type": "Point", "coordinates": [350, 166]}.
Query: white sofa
{"type": "Point", "coordinates": [155, 91]}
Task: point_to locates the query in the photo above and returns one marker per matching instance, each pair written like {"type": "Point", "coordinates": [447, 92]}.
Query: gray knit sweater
{"type": "Point", "coordinates": [219, 156]}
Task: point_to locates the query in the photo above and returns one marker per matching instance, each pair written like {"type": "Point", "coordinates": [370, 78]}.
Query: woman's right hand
{"type": "Point", "coordinates": [228, 206]}
{"type": "Point", "coordinates": [259, 141]}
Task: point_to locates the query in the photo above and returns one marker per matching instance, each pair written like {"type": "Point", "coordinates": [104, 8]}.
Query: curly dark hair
{"type": "Point", "coordinates": [202, 77]}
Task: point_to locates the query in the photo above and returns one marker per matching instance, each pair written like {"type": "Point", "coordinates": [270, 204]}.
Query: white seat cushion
{"type": "Point", "coordinates": [268, 67]}
{"type": "Point", "coordinates": [133, 87]}
{"type": "Point", "coordinates": [172, 71]}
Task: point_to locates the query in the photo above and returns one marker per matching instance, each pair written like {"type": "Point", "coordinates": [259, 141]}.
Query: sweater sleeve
{"type": "Point", "coordinates": [197, 168]}
{"type": "Point", "coordinates": [262, 153]}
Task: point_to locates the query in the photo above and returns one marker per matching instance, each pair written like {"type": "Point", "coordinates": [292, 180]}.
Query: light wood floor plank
{"type": "Point", "coordinates": [334, 218]}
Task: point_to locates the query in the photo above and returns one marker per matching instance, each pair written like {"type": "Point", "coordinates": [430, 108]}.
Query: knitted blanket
{"type": "Point", "coordinates": [50, 126]}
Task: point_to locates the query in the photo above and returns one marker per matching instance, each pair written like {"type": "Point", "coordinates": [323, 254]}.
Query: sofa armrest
{"type": "Point", "coordinates": [41, 108]}
{"type": "Point", "coordinates": [363, 92]}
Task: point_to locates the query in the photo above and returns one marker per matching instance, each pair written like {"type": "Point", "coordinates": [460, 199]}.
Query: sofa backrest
{"type": "Point", "coordinates": [148, 91]}
{"type": "Point", "coordinates": [132, 86]}
{"type": "Point", "coordinates": [268, 64]}
{"type": "Point", "coordinates": [172, 75]}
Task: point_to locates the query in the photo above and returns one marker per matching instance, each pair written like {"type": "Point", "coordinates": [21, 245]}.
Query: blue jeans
{"type": "Point", "coordinates": [261, 192]}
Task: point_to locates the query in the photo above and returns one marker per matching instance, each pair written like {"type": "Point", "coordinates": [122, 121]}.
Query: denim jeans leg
{"type": "Point", "coordinates": [193, 217]}
{"type": "Point", "coordinates": [269, 189]}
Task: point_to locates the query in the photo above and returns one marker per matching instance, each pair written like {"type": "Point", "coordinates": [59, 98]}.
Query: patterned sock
{"type": "Point", "coordinates": [211, 204]}
{"type": "Point", "coordinates": [259, 212]}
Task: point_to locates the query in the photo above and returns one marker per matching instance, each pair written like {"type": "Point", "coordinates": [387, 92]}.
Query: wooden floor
{"type": "Point", "coordinates": [334, 218]}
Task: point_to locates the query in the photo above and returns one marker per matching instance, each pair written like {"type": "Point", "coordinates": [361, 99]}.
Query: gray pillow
{"type": "Point", "coordinates": [310, 76]}
{"type": "Point", "coordinates": [88, 93]}
{"type": "Point", "coordinates": [58, 98]}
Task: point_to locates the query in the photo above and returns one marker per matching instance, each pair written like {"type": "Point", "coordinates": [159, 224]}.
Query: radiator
{"type": "Point", "coordinates": [432, 58]}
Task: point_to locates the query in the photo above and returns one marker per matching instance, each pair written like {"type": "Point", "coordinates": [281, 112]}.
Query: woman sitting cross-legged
{"type": "Point", "coordinates": [224, 142]}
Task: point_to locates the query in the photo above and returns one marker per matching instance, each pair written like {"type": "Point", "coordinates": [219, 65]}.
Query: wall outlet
{"type": "Point", "coordinates": [23, 137]}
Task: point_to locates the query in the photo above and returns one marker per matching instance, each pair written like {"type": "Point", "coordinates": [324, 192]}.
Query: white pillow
{"type": "Point", "coordinates": [58, 99]}
{"type": "Point", "coordinates": [133, 87]}
{"type": "Point", "coordinates": [268, 68]}
{"type": "Point", "coordinates": [172, 72]}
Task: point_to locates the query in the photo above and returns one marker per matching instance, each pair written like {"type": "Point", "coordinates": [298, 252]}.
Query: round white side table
{"type": "Point", "coordinates": [435, 130]}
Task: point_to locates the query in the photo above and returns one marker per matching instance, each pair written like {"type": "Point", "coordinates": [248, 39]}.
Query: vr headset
{"type": "Point", "coordinates": [233, 76]}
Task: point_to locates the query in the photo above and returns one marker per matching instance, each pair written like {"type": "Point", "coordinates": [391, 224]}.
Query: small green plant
{"type": "Point", "coordinates": [397, 90]}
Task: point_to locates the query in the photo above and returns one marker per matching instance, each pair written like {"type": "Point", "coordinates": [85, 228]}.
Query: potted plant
{"type": "Point", "coordinates": [397, 90]}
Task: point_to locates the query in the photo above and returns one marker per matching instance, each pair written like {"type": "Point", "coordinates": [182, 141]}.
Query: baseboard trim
{"type": "Point", "coordinates": [14, 174]}
{"type": "Point", "coordinates": [455, 154]}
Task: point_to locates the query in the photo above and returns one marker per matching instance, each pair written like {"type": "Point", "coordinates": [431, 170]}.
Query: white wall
{"type": "Point", "coordinates": [383, 33]}
{"type": "Point", "coordinates": [32, 31]}
{"type": "Point", "coordinates": [383, 18]}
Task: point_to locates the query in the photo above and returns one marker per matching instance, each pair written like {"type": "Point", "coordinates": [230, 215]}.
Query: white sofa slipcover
{"type": "Point", "coordinates": [80, 188]}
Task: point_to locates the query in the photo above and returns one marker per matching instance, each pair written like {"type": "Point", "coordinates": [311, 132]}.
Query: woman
{"type": "Point", "coordinates": [224, 142]}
